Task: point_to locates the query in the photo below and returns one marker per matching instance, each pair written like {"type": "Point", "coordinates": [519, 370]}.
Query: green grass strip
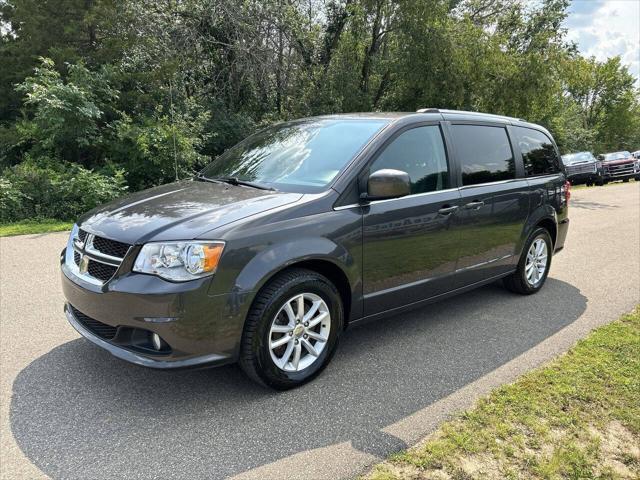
{"type": "Point", "coordinates": [577, 417]}
{"type": "Point", "coordinates": [25, 227]}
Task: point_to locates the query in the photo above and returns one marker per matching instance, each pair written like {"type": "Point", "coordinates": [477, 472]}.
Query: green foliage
{"type": "Point", "coordinates": [146, 85]}
{"type": "Point", "coordinates": [149, 147]}
{"type": "Point", "coordinates": [67, 115]}
{"type": "Point", "coordinates": [44, 188]}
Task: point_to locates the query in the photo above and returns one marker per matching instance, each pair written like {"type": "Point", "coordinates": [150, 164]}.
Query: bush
{"type": "Point", "coordinates": [152, 147]}
{"type": "Point", "coordinates": [43, 188]}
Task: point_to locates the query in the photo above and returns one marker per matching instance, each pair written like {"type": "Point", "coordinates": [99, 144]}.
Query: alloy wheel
{"type": "Point", "coordinates": [299, 332]}
{"type": "Point", "coordinates": [536, 263]}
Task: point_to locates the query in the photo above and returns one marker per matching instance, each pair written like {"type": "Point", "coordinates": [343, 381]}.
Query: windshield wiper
{"type": "Point", "coordinates": [235, 181]}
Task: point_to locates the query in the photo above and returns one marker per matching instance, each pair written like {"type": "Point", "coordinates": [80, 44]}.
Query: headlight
{"type": "Point", "coordinates": [179, 261]}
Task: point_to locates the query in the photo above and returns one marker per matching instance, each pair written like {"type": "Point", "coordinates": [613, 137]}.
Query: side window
{"type": "Point", "coordinates": [419, 152]}
{"type": "Point", "coordinates": [484, 152]}
{"type": "Point", "coordinates": [538, 153]}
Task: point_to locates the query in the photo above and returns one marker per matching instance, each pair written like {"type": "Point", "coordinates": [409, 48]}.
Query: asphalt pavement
{"type": "Point", "coordinates": [70, 410]}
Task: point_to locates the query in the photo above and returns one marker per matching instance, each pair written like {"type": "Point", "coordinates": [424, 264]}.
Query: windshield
{"type": "Point", "coordinates": [616, 156]}
{"type": "Point", "coordinates": [301, 156]}
{"type": "Point", "coordinates": [577, 157]}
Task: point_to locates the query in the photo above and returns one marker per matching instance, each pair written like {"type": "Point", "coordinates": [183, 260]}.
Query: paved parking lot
{"type": "Point", "coordinates": [70, 410]}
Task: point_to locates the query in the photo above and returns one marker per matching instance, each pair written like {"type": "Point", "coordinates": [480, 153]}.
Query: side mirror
{"type": "Point", "coordinates": [387, 183]}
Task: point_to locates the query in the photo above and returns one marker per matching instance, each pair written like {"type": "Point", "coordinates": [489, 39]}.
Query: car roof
{"type": "Point", "coordinates": [438, 114]}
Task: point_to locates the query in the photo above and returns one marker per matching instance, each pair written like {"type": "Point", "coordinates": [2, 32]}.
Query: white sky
{"type": "Point", "coordinates": [605, 28]}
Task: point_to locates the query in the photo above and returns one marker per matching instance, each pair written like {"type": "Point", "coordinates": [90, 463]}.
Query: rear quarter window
{"type": "Point", "coordinates": [539, 155]}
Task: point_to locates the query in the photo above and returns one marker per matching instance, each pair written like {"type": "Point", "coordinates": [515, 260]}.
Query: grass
{"type": "Point", "coordinates": [33, 226]}
{"type": "Point", "coordinates": [577, 417]}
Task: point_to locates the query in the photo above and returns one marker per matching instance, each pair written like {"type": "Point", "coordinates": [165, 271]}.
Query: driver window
{"type": "Point", "coordinates": [419, 152]}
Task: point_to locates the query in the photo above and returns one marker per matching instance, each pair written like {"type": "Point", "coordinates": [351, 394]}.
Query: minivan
{"type": "Point", "coordinates": [312, 225]}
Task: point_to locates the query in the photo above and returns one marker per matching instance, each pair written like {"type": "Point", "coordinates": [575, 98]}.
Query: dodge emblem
{"type": "Point", "coordinates": [84, 264]}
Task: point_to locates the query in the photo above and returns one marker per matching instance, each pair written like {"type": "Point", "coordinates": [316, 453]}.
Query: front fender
{"type": "Point", "coordinates": [275, 258]}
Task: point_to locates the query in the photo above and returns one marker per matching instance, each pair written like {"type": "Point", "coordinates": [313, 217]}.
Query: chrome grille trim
{"type": "Point", "coordinates": [583, 168]}
{"type": "Point", "coordinates": [83, 257]}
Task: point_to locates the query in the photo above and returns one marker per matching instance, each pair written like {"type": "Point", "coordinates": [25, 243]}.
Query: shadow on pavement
{"type": "Point", "coordinates": [588, 205]}
{"type": "Point", "coordinates": [78, 412]}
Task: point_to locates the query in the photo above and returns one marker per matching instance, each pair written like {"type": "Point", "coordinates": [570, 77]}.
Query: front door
{"type": "Point", "coordinates": [411, 243]}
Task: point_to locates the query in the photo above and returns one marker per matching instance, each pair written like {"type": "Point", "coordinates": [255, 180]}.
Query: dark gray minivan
{"type": "Point", "coordinates": [312, 225]}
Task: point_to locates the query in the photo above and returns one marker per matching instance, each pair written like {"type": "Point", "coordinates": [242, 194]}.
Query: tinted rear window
{"type": "Point", "coordinates": [484, 152]}
{"type": "Point", "coordinates": [538, 153]}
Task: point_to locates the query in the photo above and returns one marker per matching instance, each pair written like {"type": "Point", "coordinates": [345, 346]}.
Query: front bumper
{"type": "Point", "coordinates": [137, 358]}
{"type": "Point", "coordinates": [613, 178]}
{"type": "Point", "coordinates": [197, 329]}
{"type": "Point", "coordinates": [582, 177]}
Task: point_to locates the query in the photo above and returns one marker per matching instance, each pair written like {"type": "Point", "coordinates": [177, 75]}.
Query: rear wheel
{"type": "Point", "coordinates": [292, 329]}
{"type": "Point", "coordinates": [625, 180]}
{"type": "Point", "coordinates": [534, 264]}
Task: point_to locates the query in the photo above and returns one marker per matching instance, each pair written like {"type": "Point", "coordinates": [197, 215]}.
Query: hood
{"type": "Point", "coordinates": [180, 211]}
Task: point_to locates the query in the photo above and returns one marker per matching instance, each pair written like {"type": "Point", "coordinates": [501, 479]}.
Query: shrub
{"type": "Point", "coordinates": [152, 147]}
{"type": "Point", "coordinates": [43, 188]}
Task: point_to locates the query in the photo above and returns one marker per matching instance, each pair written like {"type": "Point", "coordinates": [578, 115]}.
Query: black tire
{"type": "Point", "coordinates": [625, 180]}
{"type": "Point", "coordinates": [600, 183]}
{"type": "Point", "coordinates": [255, 356]}
{"type": "Point", "coordinates": [517, 282]}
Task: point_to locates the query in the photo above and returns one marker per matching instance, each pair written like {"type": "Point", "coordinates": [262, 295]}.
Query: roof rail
{"type": "Point", "coordinates": [428, 110]}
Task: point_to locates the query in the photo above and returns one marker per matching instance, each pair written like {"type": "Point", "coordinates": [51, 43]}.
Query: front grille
{"type": "Point", "coordinates": [100, 329]}
{"type": "Point", "coordinates": [110, 247]}
{"type": "Point", "coordinates": [103, 254]}
{"type": "Point", "coordinates": [100, 270]}
{"type": "Point", "coordinates": [582, 168]}
{"type": "Point", "coordinates": [619, 170]}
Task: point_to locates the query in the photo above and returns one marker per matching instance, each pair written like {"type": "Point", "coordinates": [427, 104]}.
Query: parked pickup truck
{"type": "Point", "coordinates": [619, 166]}
{"type": "Point", "coordinates": [583, 167]}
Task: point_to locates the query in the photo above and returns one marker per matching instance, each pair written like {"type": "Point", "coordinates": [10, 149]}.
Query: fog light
{"type": "Point", "coordinates": [156, 341]}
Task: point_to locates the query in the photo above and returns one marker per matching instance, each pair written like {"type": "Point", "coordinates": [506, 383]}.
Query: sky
{"type": "Point", "coordinates": [605, 28]}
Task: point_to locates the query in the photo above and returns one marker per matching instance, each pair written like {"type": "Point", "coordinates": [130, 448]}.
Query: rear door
{"type": "Point", "coordinates": [494, 201]}
{"type": "Point", "coordinates": [410, 243]}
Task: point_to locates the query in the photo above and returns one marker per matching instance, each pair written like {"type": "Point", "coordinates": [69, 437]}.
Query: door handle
{"type": "Point", "coordinates": [447, 210]}
{"type": "Point", "coordinates": [475, 205]}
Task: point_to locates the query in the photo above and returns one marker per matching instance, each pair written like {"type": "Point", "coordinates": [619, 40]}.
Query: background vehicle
{"type": "Point", "coordinates": [619, 166]}
{"type": "Point", "coordinates": [312, 225]}
{"type": "Point", "coordinates": [583, 167]}
{"type": "Point", "coordinates": [636, 154]}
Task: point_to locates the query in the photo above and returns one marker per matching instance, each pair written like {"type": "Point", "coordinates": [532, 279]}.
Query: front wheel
{"type": "Point", "coordinates": [534, 264]}
{"type": "Point", "coordinates": [292, 329]}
